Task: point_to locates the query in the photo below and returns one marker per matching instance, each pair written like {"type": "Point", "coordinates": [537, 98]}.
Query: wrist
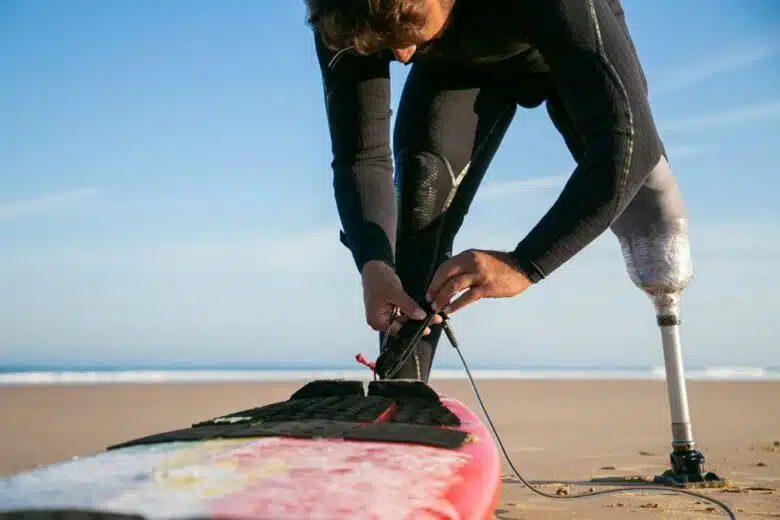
{"type": "Point", "coordinates": [371, 251]}
{"type": "Point", "coordinates": [375, 266]}
{"type": "Point", "coordinates": [525, 266]}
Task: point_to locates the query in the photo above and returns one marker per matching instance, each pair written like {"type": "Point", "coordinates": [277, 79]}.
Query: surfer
{"type": "Point", "coordinates": [472, 64]}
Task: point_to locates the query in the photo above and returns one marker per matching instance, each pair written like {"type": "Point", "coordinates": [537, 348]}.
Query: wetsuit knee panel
{"type": "Point", "coordinates": [426, 183]}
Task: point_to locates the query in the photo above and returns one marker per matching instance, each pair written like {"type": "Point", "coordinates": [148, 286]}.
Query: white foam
{"type": "Point", "coordinates": [729, 373]}
{"type": "Point", "coordinates": [172, 376]}
{"type": "Point", "coordinates": [205, 376]}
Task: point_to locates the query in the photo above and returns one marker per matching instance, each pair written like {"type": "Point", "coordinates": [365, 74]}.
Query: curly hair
{"type": "Point", "coordinates": [367, 26]}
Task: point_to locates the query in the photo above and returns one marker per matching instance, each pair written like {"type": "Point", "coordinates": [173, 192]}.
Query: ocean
{"type": "Point", "coordinates": [38, 375]}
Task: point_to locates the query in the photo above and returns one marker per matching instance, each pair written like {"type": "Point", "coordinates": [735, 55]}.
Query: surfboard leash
{"type": "Point", "coordinates": [454, 342]}
{"type": "Point", "coordinates": [396, 356]}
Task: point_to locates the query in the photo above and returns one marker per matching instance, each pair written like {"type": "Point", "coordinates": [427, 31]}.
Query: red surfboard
{"type": "Point", "coordinates": [335, 450]}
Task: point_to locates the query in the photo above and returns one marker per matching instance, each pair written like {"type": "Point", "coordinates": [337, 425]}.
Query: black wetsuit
{"type": "Point", "coordinates": [460, 96]}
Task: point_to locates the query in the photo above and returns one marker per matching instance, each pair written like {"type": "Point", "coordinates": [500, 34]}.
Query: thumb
{"type": "Point", "coordinates": [407, 305]}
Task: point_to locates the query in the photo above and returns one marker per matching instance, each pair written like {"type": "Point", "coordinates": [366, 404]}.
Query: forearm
{"type": "Point", "coordinates": [357, 101]}
{"type": "Point", "coordinates": [601, 84]}
{"type": "Point", "coordinates": [363, 173]}
{"type": "Point", "coordinates": [365, 199]}
{"type": "Point", "coordinates": [594, 196]}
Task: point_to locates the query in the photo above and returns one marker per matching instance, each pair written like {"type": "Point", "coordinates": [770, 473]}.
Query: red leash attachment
{"type": "Point", "coordinates": [363, 361]}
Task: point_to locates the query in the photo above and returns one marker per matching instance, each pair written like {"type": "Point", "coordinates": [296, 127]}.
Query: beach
{"type": "Point", "coordinates": [560, 435]}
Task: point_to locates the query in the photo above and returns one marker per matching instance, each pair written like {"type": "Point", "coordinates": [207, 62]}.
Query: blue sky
{"type": "Point", "coordinates": [165, 194]}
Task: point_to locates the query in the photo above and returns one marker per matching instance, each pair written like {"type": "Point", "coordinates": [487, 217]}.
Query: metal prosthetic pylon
{"type": "Point", "coordinates": [659, 262]}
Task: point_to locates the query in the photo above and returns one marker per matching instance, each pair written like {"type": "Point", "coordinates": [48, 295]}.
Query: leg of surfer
{"type": "Point", "coordinates": [446, 134]}
{"type": "Point", "coordinates": [653, 234]}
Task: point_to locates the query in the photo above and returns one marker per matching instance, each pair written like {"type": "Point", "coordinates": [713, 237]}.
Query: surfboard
{"type": "Point", "coordinates": [336, 449]}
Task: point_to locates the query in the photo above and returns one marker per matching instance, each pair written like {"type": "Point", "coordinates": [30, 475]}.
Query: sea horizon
{"type": "Point", "coordinates": [50, 374]}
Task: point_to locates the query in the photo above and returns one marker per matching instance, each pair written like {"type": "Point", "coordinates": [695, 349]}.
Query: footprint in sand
{"type": "Point", "coordinates": [773, 447]}
{"type": "Point", "coordinates": [502, 514]}
{"type": "Point", "coordinates": [749, 489]}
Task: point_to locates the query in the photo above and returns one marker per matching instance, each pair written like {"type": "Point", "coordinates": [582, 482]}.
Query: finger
{"type": "Point", "coordinates": [396, 321]}
{"type": "Point", "coordinates": [377, 322]}
{"type": "Point", "coordinates": [403, 318]}
{"type": "Point", "coordinates": [379, 316]}
{"type": "Point", "coordinates": [395, 328]}
{"type": "Point", "coordinates": [467, 298]}
{"type": "Point", "coordinates": [437, 319]}
{"type": "Point", "coordinates": [450, 268]}
{"type": "Point", "coordinates": [407, 305]}
{"type": "Point", "coordinates": [450, 288]}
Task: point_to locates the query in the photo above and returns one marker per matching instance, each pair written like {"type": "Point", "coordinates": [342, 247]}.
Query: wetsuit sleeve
{"type": "Point", "coordinates": [357, 103]}
{"type": "Point", "coordinates": [601, 84]}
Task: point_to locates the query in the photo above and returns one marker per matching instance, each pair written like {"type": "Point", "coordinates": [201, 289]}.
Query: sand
{"type": "Point", "coordinates": [560, 434]}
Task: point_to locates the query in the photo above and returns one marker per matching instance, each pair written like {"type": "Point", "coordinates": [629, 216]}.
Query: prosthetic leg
{"type": "Point", "coordinates": [658, 258]}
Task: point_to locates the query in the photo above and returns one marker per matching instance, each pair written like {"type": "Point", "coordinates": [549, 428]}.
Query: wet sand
{"type": "Point", "coordinates": [560, 435]}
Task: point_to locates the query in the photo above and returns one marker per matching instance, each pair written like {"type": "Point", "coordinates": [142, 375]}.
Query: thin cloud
{"type": "Point", "coordinates": [251, 254]}
{"type": "Point", "coordinates": [727, 60]}
{"type": "Point", "coordinates": [19, 208]}
{"type": "Point", "coordinates": [513, 187]}
{"type": "Point", "coordinates": [684, 151]}
{"type": "Point", "coordinates": [763, 111]}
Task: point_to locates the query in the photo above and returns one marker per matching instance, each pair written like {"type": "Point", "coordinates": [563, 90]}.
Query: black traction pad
{"type": "Point", "coordinates": [65, 514]}
{"type": "Point", "coordinates": [373, 432]}
{"type": "Point", "coordinates": [336, 408]}
{"type": "Point", "coordinates": [329, 388]}
{"type": "Point", "coordinates": [185, 434]}
{"type": "Point", "coordinates": [413, 413]}
{"type": "Point", "coordinates": [310, 429]}
{"type": "Point", "coordinates": [417, 402]}
{"type": "Point", "coordinates": [404, 389]}
{"type": "Point", "coordinates": [317, 429]}
{"type": "Point", "coordinates": [409, 433]}
{"type": "Point", "coordinates": [335, 400]}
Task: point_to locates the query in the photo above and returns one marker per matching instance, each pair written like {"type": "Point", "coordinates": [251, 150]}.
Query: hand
{"type": "Point", "coordinates": [482, 274]}
{"type": "Point", "coordinates": [382, 294]}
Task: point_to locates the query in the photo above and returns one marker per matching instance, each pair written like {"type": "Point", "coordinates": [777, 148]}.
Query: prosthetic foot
{"type": "Point", "coordinates": [659, 262]}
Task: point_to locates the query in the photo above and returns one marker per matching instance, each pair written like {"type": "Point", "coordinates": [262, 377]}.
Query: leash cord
{"type": "Point", "coordinates": [451, 337]}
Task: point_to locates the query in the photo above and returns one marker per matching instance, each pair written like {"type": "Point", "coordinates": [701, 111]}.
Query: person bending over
{"type": "Point", "coordinates": [472, 64]}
